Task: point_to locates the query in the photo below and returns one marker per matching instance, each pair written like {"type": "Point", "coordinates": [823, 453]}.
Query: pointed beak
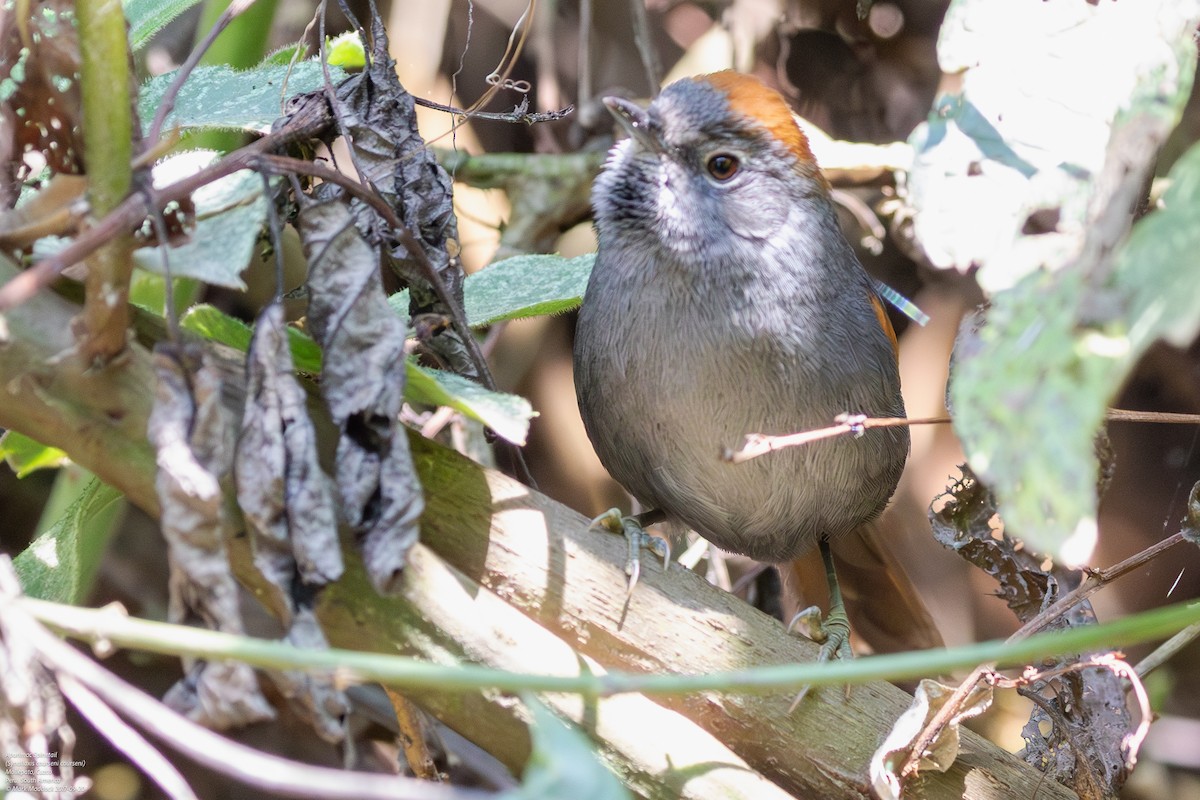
{"type": "Point", "coordinates": [635, 121]}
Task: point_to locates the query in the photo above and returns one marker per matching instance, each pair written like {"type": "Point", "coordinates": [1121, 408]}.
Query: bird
{"type": "Point", "coordinates": [725, 300]}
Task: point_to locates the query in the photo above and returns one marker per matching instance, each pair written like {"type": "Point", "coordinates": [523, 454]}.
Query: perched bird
{"type": "Point", "coordinates": [724, 301]}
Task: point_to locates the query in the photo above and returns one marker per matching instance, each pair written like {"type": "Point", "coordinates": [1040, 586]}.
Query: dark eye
{"type": "Point", "coordinates": [722, 166]}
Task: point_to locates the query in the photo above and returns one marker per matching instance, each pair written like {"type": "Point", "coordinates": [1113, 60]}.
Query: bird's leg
{"type": "Point", "coordinates": [633, 528]}
{"type": "Point", "coordinates": [832, 632]}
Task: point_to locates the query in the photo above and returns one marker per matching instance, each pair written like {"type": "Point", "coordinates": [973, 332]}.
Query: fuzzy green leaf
{"type": "Point", "coordinates": [230, 214]}
{"type": "Point", "coordinates": [1029, 402]}
{"type": "Point", "coordinates": [519, 287]}
{"type": "Point", "coordinates": [148, 17]}
{"type": "Point", "coordinates": [60, 563]}
{"type": "Point", "coordinates": [219, 97]}
{"type": "Point", "coordinates": [506, 414]}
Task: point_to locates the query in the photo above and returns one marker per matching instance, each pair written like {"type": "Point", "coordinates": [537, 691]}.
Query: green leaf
{"type": "Point", "coordinates": [1029, 402]}
{"type": "Point", "coordinates": [60, 563]}
{"type": "Point", "coordinates": [25, 455]}
{"type": "Point", "coordinates": [148, 17]}
{"type": "Point", "coordinates": [346, 51]}
{"type": "Point", "coordinates": [217, 326]}
{"type": "Point", "coordinates": [563, 764]}
{"type": "Point", "coordinates": [506, 414]}
{"type": "Point", "coordinates": [519, 287]}
{"type": "Point", "coordinates": [230, 214]}
{"type": "Point", "coordinates": [219, 97]}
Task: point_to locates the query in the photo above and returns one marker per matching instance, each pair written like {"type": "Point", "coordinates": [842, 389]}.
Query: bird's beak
{"type": "Point", "coordinates": [635, 121]}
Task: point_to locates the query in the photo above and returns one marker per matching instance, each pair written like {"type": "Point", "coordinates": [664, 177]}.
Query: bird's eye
{"type": "Point", "coordinates": [723, 166]}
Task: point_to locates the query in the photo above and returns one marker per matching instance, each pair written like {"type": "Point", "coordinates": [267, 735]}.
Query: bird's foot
{"type": "Point", "coordinates": [831, 631]}
{"type": "Point", "coordinates": [632, 528]}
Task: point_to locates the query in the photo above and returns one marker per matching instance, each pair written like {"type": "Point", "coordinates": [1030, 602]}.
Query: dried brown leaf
{"type": "Point", "coordinates": [362, 381]}
{"type": "Point", "coordinates": [189, 430]}
{"type": "Point", "coordinates": [285, 497]}
{"type": "Point", "coordinates": [1077, 734]}
{"type": "Point", "coordinates": [929, 699]}
{"type": "Point", "coordinates": [379, 114]}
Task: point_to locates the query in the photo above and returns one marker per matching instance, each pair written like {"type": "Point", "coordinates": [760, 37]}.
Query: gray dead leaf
{"type": "Point", "coordinates": [362, 381]}
{"type": "Point", "coordinates": [189, 430]}
{"type": "Point", "coordinates": [1078, 736]}
{"type": "Point", "coordinates": [314, 699]}
{"type": "Point", "coordinates": [285, 497]}
{"type": "Point", "coordinates": [380, 117]}
{"type": "Point", "coordinates": [930, 697]}
{"type": "Point", "coordinates": [220, 695]}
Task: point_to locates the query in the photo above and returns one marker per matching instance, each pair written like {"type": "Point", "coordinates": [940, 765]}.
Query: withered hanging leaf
{"type": "Point", "coordinates": [315, 700]}
{"type": "Point", "coordinates": [362, 381]}
{"type": "Point", "coordinates": [285, 497]}
{"type": "Point", "coordinates": [930, 698]}
{"type": "Point", "coordinates": [1081, 744]}
{"type": "Point", "coordinates": [288, 505]}
{"type": "Point", "coordinates": [379, 115]}
{"type": "Point", "coordinates": [189, 430]}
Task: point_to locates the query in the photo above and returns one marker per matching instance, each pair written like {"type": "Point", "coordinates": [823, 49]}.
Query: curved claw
{"type": "Point", "coordinates": [631, 528]}
{"type": "Point", "coordinates": [831, 632]}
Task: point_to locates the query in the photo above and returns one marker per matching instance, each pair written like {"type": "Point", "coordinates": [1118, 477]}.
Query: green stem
{"type": "Point", "coordinates": [108, 149]}
{"type": "Point", "coordinates": [159, 637]}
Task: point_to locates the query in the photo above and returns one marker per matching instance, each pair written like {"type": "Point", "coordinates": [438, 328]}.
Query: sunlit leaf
{"type": "Point", "coordinates": [1029, 401]}
{"type": "Point", "coordinates": [223, 98]}
{"type": "Point", "coordinates": [60, 562]}
{"type": "Point", "coordinates": [25, 455]}
{"type": "Point", "coordinates": [506, 414]}
{"type": "Point", "coordinates": [519, 287]}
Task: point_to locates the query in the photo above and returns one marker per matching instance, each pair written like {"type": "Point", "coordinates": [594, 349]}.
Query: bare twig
{"type": "Point", "coordinates": [249, 766]}
{"type": "Point", "coordinates": [412, 737]}
{"type": "Point", "coordinates": [1167, 649]}
{"type": "Point", "coordinates": [518, 114]}
{"type": "Point", "coordinates": [124, 738]}
{"type": "Point", "coordinates": [307, 122]}
{"type": "Point", "coordinates": [759, 444]}
{"type": "Point", "coordinates": [641, 37]}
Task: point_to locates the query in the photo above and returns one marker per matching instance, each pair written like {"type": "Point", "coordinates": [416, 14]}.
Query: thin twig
{"type": "Point", "coordinates": [1167, 650]}
{"type": "Point", "coordinates": [641, 37]}
{"type": "Point", "coordinates": [167, 104]}
{"type": "Point", "coordinates": [412, 737]}
{"type": "Point", "coordinates": [125, 739]}
{"type": "Point", "coordinates": [310, 120]}
{"type": "Point", "coordinates": [759, 444]}
{"type": "Point", "coordinates": [244, 764]}
{"type": "Point", "coordinates": [518, 114]}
